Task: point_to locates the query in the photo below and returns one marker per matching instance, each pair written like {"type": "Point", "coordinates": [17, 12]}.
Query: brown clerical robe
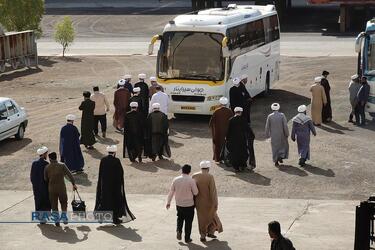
{"type": "Point", "coordinates": [121, 103]}
{"type": "Point", "coordinates": [318, 99]}
{"type": "Point", "coordinates": [219, 125]}
{"type": "Point", "coordinates": [206, 203]}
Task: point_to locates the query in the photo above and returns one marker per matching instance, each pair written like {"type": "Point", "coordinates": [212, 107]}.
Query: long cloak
{"type": "Point", "coordinates": [70, 149]}
{"type": "Point", "coordinates": [133, 134]}
{"type": "Point", "coordinates": [236, 98]}
{"type": "Point", "coordinates": [110, 191]}
{"type": "Point", "coordinates": [40, 186]}
{"type": "Point", "coordinates": [206, 203]}
{"type": "Point", "coordinates": [128, 85]}
{"type": "Point", "coordinates": [301, 129]}
{"type": "Point", "coordinates": [87, 122]}
{"type": "Point", "coordinates": [246, 98]}
{"type": "Point", "coordinates": [353, 91]}
{"type": "Point", "coordinates": [121, 103]}
{"type": "Point", "coordinates": [157, 135]}
{"type": "Point", "coordinates": [144, 94]}
{"type": "Point", "coordinates": [277, 129]}
{"type": "Point", "coordinates": [237, 141]}
{"type": "Point", "coordinates": [318, 99]}
{"type": "Point", "coordinates": [327, 110]}
{"type": "Point", "coordinates": [250, 146]}
{"type": "Point", "coordinates": [219, 126]}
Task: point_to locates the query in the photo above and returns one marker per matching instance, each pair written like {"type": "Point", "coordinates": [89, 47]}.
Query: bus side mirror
{"type": "Point", "coordinates": [224, 46]}
{"type": "Point", "coordinates": [151, 45]}
{"type": "Point", "coordinates": [358, 42]}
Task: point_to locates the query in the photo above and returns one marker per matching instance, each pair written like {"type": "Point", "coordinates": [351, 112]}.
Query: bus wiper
{"type": "Point", "coordinates": [206, 77]}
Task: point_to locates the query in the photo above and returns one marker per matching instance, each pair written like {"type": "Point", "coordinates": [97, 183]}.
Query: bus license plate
{"type": "Point", "coordinates": [187, 108]}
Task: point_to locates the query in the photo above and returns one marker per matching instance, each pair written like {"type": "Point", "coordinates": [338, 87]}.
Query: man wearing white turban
{"type": "Point", "coordinates": [277, 129]}
{"type": "Point", "coordinates": [219, 125]}
{"type": "Point", "coordinates": [301, 129]}
{"type": "Point", "coordinates": [70, 150]}
{"type": "Point", "coordinates": [40, 186]}
{"type": "Point", "coordinates": [121, 103]}
{"type": "Point", "coordinates": [157, 128]}
{"type": "Point", "coordinates": [318, 100]}
{"type": "Point", "coordinates": [206, 202]}
{"type": "Point", "coordinates": [143, 94]}
{"type": "Point", "coordinates": [110, 190]}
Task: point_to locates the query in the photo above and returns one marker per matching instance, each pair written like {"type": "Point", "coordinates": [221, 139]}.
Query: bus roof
{"type": "Point", "coordinates": [219, 19]}
{"type": "Point", "coordinates": [370, 27]}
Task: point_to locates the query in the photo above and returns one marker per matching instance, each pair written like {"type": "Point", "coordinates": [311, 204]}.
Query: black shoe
{"type": "Point", "coordinates": [117, 221]}
{"type": "Point", "coordinates": [212, 236]}
{"type": "Point", "coordinates": [179, 236]}
{"type": "Point", "coordinates": [140, 159]}
{"type": "Point", "coordinates": [351, 121]}
{"type": "Point", "coordinates": [188, 240]}
{"type": "Point", "coordinates": [153, 158]}
{"type": "Point", "coordinates": [57, 224]}
{"type": "Point", "coordinates": [281, 160]}
{"type": "Point", "coordinates": [203, 239]}
{"type": "Point", "coordinates": [65, 222]}
{"type": "Point", "coordinates": [277, 164]}
{"type": "Point", "coordinates": [161, 157]}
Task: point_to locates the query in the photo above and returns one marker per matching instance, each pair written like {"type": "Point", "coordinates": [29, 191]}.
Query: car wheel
{"type": "Point", "coordinates": [21, 132]}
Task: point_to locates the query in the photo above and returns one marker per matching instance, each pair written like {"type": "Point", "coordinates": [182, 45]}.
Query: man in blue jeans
{"type": "Point", "coordinates": [184, 189]}
{"type": "Point", "coordinates": [362, 97]}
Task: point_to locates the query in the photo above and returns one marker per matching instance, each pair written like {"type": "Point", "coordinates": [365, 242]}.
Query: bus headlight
{"type": "Point", "coordinates": [213, 98]}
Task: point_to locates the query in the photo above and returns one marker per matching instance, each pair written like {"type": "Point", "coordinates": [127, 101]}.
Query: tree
{"type": "Point", "coordinates": [64, 33]}
{"type": "Point", "coordinates": [19, 15]}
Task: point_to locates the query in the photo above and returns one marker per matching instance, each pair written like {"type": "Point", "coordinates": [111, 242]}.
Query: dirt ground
{"type": "Point", "coordinates": [342, 154]}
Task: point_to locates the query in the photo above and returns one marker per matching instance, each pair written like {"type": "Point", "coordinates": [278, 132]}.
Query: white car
{"type": "Point", "coordinates": [13, 119]}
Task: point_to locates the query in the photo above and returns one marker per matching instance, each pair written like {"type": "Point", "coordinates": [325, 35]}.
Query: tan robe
{"type": "Point", "coordinates": [318, 99]}
{"type": "Point", "coordinates": [121, 103]}
{"type": "Point", "coordinates": [219, 126]}
{"type": "Point", "coordinates": [206, 203]}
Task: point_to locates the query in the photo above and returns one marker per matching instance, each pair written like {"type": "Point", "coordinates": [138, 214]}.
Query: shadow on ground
{"type": "Point", "coordinates": [11, 145]}
{"type": "Point", "coordinates": [121, 232]}
{"type": "Point", "coordinates": [64, 234]}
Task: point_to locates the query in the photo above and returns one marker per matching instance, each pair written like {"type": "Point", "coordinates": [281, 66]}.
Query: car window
{"type": "Point", "coordinates": [3, 110]}
{"type": "Point", "coordinates": [12, 110]}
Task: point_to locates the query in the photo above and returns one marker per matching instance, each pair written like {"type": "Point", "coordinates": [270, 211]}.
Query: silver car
{"type": "Point", "coordinates": [13, 119]}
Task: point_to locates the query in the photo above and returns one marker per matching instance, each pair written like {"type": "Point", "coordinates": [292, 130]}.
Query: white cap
{"type": "Point", "coordinates": [142, 76]}
{"type": "Point", "coordinates": [134, 104]}
{"type": "Point", "coordinates": [275, 106]}
{"type": "Point", "coordinates": [238, 109]}
{"type": "Point", "coordinates": [42, 150]}
{"type": "Point", "coordinates": [121, 82]}
{"type": "Point", "coordinates": [70, 117]}
{"type": "Point", "coordinates": [223, 100]}
{"type": "Point", "coordinates": [354, 77]}
{"type": "Point", "coordinates": [236, 81]}
{"type": "Point", "coordinates": [137, 89]}
{"type": "Point", "coordinates": [156, 105]}
{"type": "Point", "coordinates": [153, 79]}
{"type": "Point", "coordinates": [205, 164]}
{"type": "Point", "coordinates": [302, 108]}
{"type": "Point", "coordinates": [112, 149]}
{"type": "Point", "coordinates": [244, 76]}
{"type": "Point", "coordinates": [318, 79]}
{"type": "Point", "coordinates": [127, 76]}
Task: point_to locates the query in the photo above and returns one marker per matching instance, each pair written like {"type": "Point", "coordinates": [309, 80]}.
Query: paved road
{"type": "Point", "coordinates": [310, 224]}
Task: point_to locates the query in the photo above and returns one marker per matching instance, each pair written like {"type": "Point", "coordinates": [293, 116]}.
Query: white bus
{"type": "Point", "coordinates": [201, 53]}
{"type": "Point", "coordinates": [365, 47]}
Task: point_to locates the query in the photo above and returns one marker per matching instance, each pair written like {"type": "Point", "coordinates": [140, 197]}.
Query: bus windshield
{"type": "Point", "coordinates": [191, 55]}
{"type": "Point", "coordinates": [370, 69]}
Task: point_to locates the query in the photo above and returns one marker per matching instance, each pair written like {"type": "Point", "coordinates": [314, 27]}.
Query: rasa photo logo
{"type": "Point", "coordinates": [72, 217]}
